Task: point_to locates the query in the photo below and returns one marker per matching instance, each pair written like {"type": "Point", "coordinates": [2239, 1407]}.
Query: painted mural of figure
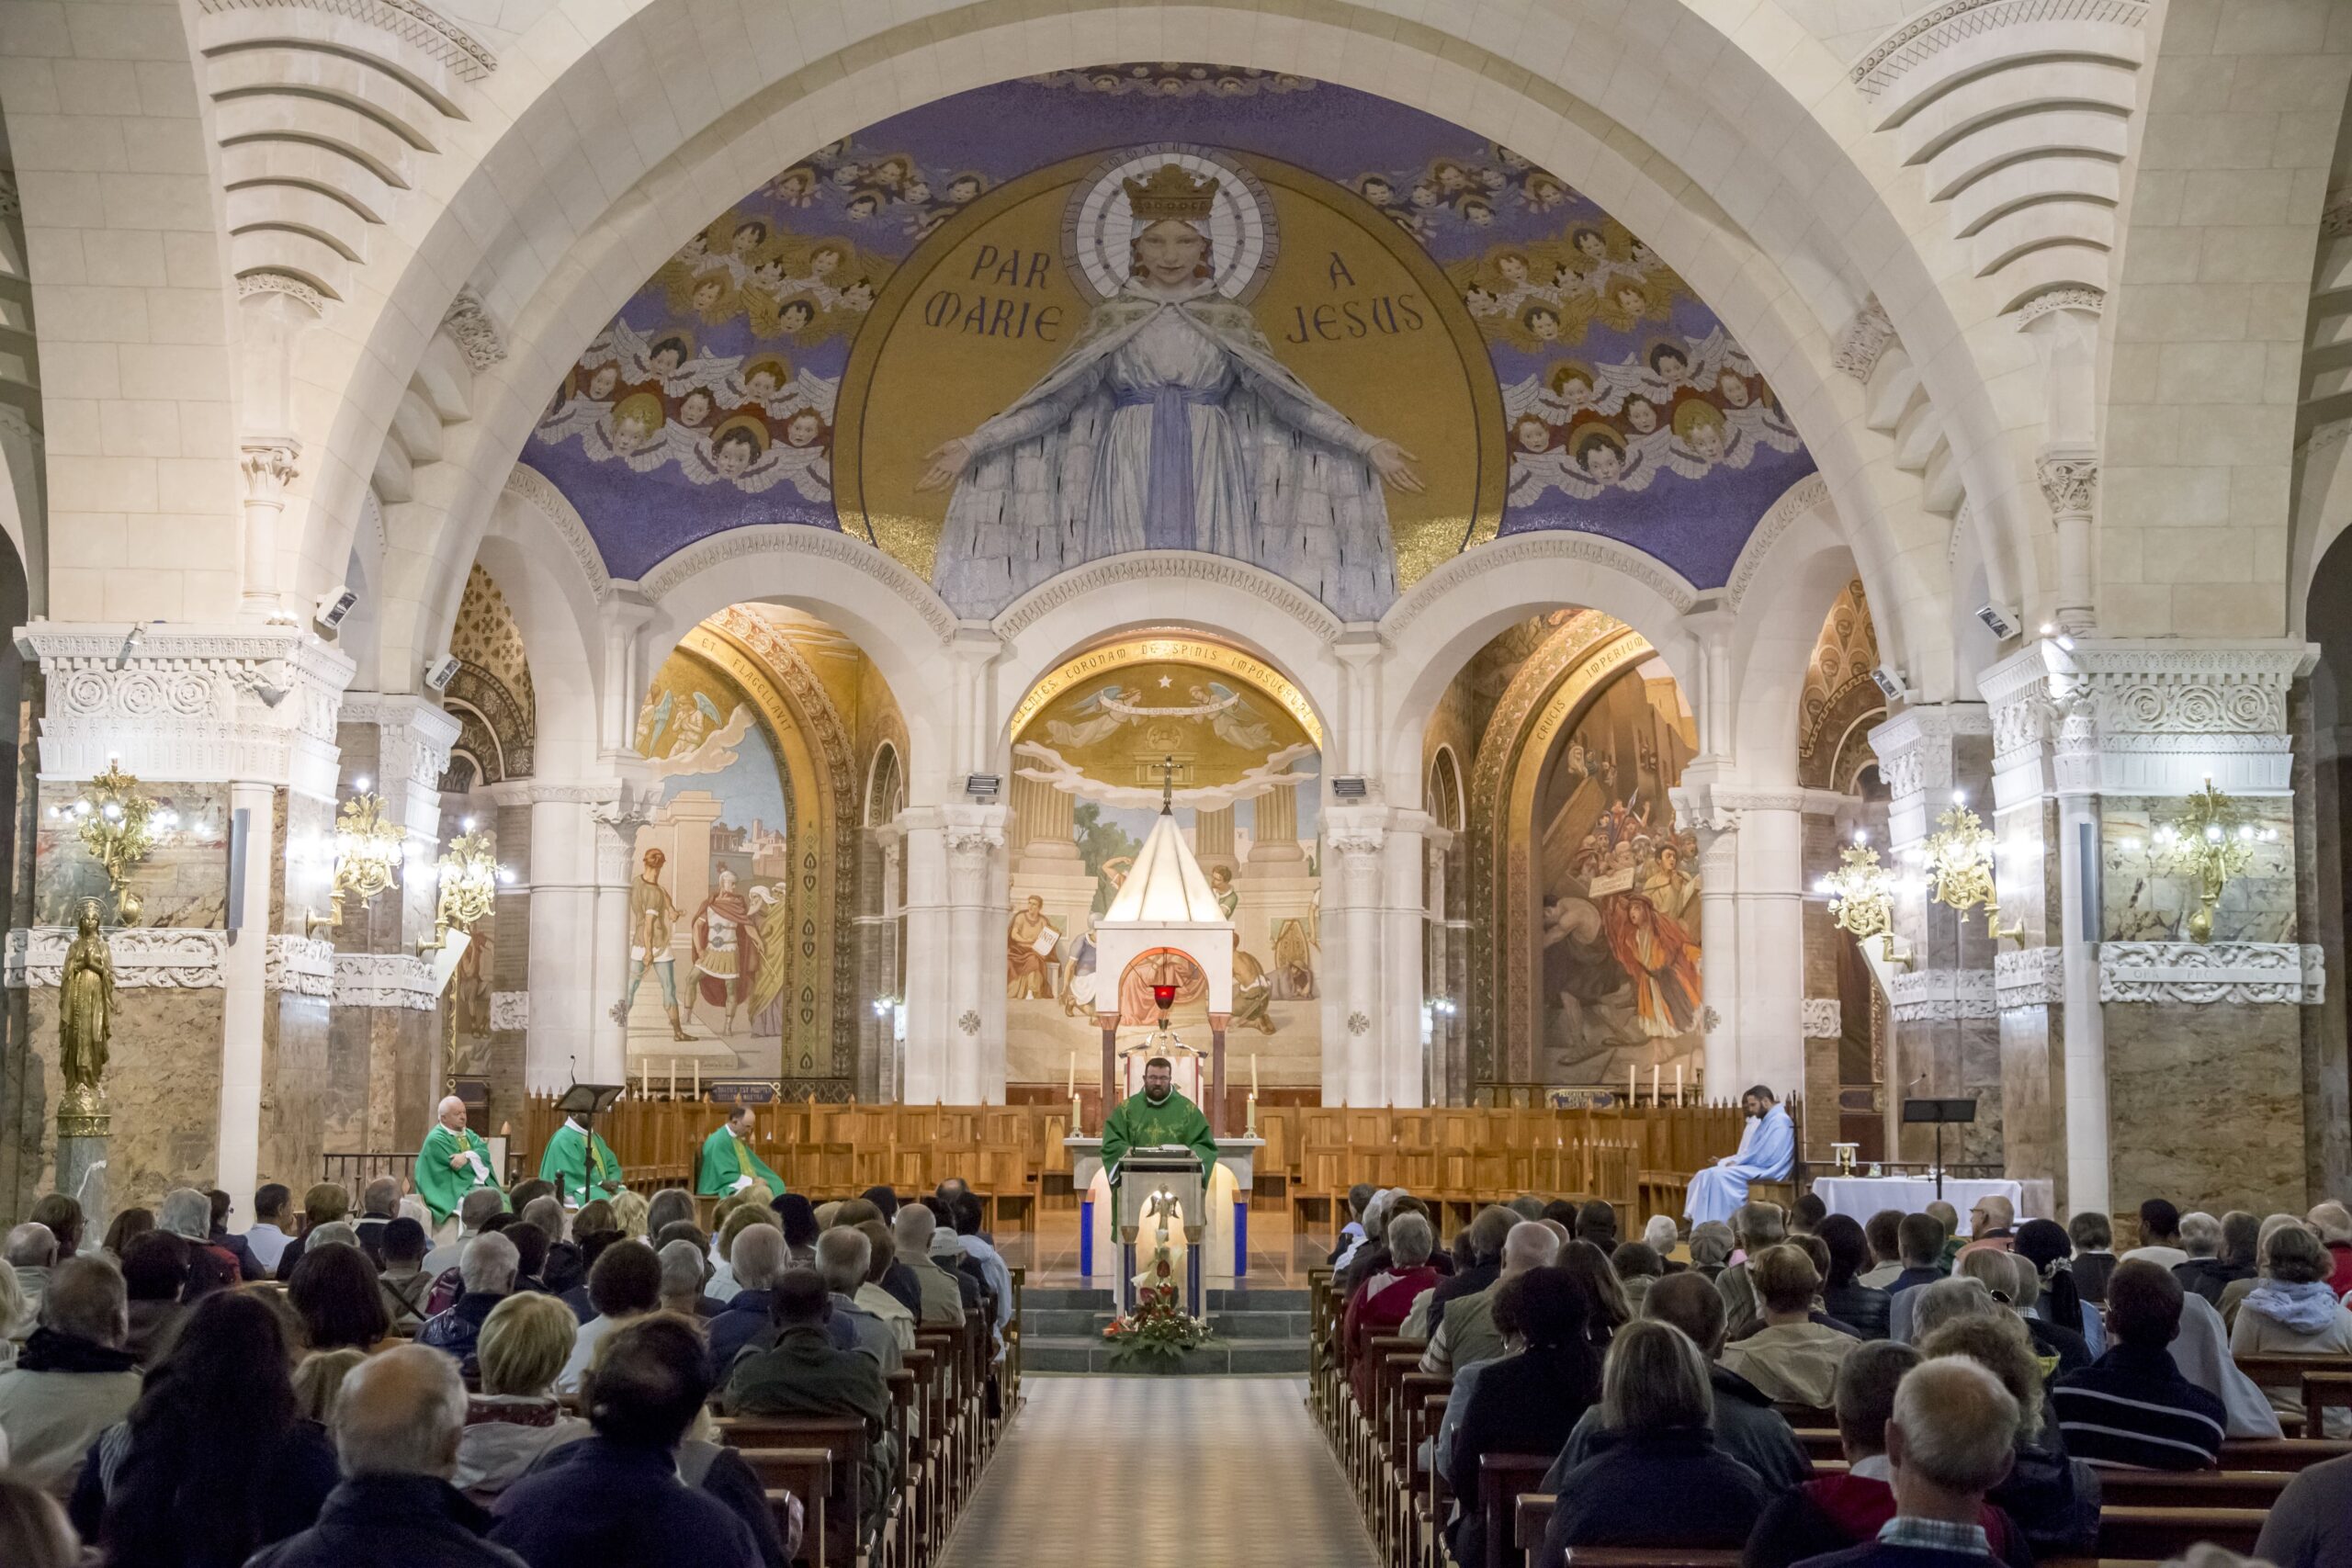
{"type": "Point", "coordinates": [1026, 975]}
{"type": "Point", "coordinates": [651, 910]}
{"type": "Point", "coordinates": [727, 950]}
{"type": "Point", "coordinates": [1136, 1002]}
{"type": "Point", "coordinates": [1078, 980]}
{"type": "Point", "coordinates": [1662, 961]}
{"type": "Point", "coordinates": [1293, 962]}
{"type": "Point", "coordinates": [1229, 897]}
{"type": "Point", "coordinates": [771, 923]}
{"type": "Point", "coordinates": [1670, 888]}
{"type": "Point", "coordinates": [1252, 991]}
{"type": "Point", "coordinates": [1169, 424]}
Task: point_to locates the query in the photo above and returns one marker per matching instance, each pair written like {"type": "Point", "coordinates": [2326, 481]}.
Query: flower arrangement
{"type": "Point", "coordinates": [1156, 1332]}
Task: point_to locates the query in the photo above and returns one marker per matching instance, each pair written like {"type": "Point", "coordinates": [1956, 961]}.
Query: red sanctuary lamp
{"type": "Point", "coordinates": [1165, 996]}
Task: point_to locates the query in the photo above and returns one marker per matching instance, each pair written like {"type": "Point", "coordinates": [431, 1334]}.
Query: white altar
{"type": "Point", "coordinates": [1224, 1240]}
{"type": "Point", "coordinates": [1859, 1197]}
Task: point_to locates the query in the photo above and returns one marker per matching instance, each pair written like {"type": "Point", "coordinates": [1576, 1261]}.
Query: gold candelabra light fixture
{"type": "Point", "coordinates": [469, 876]}
{"type": "Point", "coordinates": [2213, 841]}
{"type": "Point", "coordinates": [368, 852]}
{"type": "Point", "coordinates": [1960, 868]}
{"type": "Point", "coordinates": [1861, 896]}
{"type": "Point", "coordinates": [121, 826]}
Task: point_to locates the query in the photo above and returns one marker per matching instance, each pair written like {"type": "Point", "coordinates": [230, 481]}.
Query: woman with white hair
{"type": "Point", "coordinates": [188, 1213]}
{"type": "Point", "coordinates": [1385, 1298]}
{"type": "Point", "coordinates": [1660, 1236]}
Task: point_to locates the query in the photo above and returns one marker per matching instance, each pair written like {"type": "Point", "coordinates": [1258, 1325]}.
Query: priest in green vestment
{"type": "Point", "coordinates": [1157, 1117]}
{"type": "Point", "coordinates": [566, 1163]}
{"type": "Point", "coordinates": [728, 1163]}
{"type": "Point", "coordinates": [453, 1162]}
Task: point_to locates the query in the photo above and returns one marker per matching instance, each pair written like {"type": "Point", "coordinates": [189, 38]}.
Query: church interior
{"type": "Point", "coordinates": [1258, 668]}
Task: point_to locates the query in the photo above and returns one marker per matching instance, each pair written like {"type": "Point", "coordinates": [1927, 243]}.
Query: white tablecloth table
{"type": "Point", "coordinates": [1863, 1196]}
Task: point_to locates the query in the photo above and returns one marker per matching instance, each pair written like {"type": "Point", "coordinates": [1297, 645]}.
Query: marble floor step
{"type": "Point", "coordinates": [1034, 1298]}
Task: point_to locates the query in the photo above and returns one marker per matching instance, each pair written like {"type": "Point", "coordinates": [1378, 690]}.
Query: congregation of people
{"type": "Point", "coordinates": [545, 1386]}
{"type": "Point", "coordinates": [1981, 1379]}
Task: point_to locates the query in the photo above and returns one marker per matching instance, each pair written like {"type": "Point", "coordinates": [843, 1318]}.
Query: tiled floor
{"type": "Point", "coordinates": [1161, 1473]}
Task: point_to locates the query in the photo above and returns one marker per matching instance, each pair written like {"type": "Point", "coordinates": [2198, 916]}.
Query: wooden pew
{"type": "Point", "coordinates": [2132, 1530]}
{"type": "Point", "coordinates": [2322, 1380]}
{"type": "Point", "coordinates": [805, 1473]}
{"type": "Point", "coordinates": [843, 1439]}
{"type": "Point", "coordinates": [1502, 1479]}
{"type": "Point", "coordinates": [2281, 1453]}
{"type": "Point", "coordinates": [2201, 1489]}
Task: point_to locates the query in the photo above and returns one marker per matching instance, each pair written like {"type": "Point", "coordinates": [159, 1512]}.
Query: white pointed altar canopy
{"type": "Point", "coordinates": [1166, 904]}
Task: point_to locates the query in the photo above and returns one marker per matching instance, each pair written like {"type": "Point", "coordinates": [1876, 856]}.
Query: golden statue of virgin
{"type": "Point", "coordinates": [84, 1024]}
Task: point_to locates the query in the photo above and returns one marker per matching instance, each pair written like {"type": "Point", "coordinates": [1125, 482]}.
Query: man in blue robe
{"type": "Point", "coordinates": [1767, 1152]}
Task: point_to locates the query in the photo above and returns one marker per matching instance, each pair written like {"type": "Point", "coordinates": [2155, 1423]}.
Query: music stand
{"type": "Point", "coordinates": [583, 1102]}
{"type": "Point", "coordinates": [1958, 1112]}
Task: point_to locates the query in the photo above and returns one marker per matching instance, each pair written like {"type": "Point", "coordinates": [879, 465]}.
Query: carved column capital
{"type": "Point", "coordinates": [2069, 481]}
{"type": "Point", "coordinates": [270, 463]}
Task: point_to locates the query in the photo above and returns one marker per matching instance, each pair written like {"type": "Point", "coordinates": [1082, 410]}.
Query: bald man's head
{"type": "Point", "coordinates": [452, 1112]}
{"type": "Point", "coordinates": [1531, 1243]}
{"type": "Point", "coordinates": [401, 1413]}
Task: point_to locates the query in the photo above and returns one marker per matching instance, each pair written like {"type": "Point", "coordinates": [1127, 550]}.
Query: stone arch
{"type": "Point", "coordinates": [555, 606]}
{"type": "Point", "coordinates": [1782, 315]}
{"type": "Point", "coordinates": [1449, 615]}
{"type": "Point", "coordinates": [1778, 626]}
{"type": "Point", "coordinates": [1228, 600]}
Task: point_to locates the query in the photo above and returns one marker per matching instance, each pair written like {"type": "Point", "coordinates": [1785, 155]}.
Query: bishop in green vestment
{"type": "Point", "coordinates": [728, 1163]}
{"type": "Point", "coordinates": [1158, 1116]}
{"type": "Point", "coordinates": [453, 1162]}
{"type": "Point", "coordinates": [566, 1164]}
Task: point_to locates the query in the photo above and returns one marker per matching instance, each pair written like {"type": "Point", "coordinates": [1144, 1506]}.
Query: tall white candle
{"type": "Point", "coordinates": [1677, 1083]}
{"type": "Point", "coordinates": [1632, 1090]}
{"type": "Point", "coordinates": [1073, 1072]}
{"type": "Point", "coordinates": [1653, 1083]}
{"type": "Point", "coordinates": [1253, 1075]}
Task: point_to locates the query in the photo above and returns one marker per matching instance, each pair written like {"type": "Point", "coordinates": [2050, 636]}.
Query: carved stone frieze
{"type": "Point", "coordinates": [533, 488]}
{"type": "Point", "coordinates": [1808, 494]}
{"type": "Point", "coordinates": [2202, 973]}
{"type": "Point", "coordinates": [384, 980]}
{"type": "Point", "coordinates": [190, 703]}
{"type": "Point", "coordinates": [1936, 995]}
{"type": "Point", "coordinates": [2030, 977]}
{"type": "Point", "coordinates": [1824, 1017]}
{"type": "Point", "coordinates": [510, 1011]}
{"type": "Point", "coordinates": [146, 957]}
{"type": "Point", "coordinates": [304, 966]}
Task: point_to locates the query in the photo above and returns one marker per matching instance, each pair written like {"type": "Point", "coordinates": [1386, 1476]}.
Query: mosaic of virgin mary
{"type": "Point", "coordinates": [1169, 424]}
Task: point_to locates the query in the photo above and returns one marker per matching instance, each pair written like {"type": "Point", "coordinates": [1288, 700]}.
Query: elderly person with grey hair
{"type": "Point", "coordinates": [1947, 1443]}
{"type": "Point", "coordinates": [474, 1210]}
{"type": "Point", "coordinates": [1711, 1245]}
{"type": "Point", "coordinates": [1660, 1236]}
{"type": "Point", "coordinates": [30, 1251]}
{"type": "Point", "coordinates": [760, 1257]}
{"type": "Point", "coordinates": [2293, 1311]}
{"type": "Point", "coordinates": [844, 1258]}
{"type": "Point", "coordinates": [1465, 1333]}
{"type": "Point", "coordinates": [1919, 1311]}
{"type": "Point", "coordinates": [1758, 1226]}
{"type": "Point", "coordinates": [1660, 1482]}
{"type": "Point", "coordinates": [942, 1297]}
{"type": "Point", "coordinates": [685, 1269]}
{"type": "Point", "coordinates": [1384, 1299]}
{"type": "Point", "coordinates": [396, 1431]}
{"type": "Point", "coordinates": [1488, 1228]}
{"type": "Point", "coordinates": [516, 1418]}
{"type": "Point", "coordinates": [75, 1376]}
{"type": "Point", "coordinates": [488, 1278]}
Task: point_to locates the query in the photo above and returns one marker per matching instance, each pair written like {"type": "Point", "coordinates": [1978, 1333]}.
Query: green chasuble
{"type": "Point", "coordinates": [1137, 1123]}
{"type": "Point", "coordinates": [726, 1160]}
{"type": "Point", "coordinates": [566, 1165]}
{"type": "Point", "coordinates": [443, 1188]}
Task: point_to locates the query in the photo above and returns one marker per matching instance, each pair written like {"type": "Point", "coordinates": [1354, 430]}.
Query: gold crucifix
{"type": "Point", "coordinates": [1168, 786]}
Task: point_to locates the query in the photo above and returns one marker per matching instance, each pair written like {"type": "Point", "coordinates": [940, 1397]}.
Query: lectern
{"type": "Point", "coordinates": [1171, 1175]}
{"type": "Point", "coordinates": [583, 1102]}
{"type": "Point", "coordinates": [1957, 1111]}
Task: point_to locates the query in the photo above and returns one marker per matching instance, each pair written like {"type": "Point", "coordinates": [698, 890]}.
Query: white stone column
{"type": "Point", "coordinates": [1770, 1039]}
{"type": "Point", "coordinates": [973, 838]}
{"type": "Point", "coordinates": [604, 1050]}
{"type": "Point", "coordinates": [568, 1009]}
{"type": "Point", "coordinates": [269, 465]}
{"type": "Point", "coordinates": [930, 1018]}
{"type": "Point", "coordinates": [252, 805]}
{"type": "Point", "coordinates": [1354, 877]}
{"type": "Point", "coordinates": [1396, 1046]}
{"type": "Point", "coordinates": [2070, 483]}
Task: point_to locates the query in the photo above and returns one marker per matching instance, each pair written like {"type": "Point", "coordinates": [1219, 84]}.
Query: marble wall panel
{"type": "Point", "coordinates": [295, 1088]}
{"type": "Point", "coordinates": [2205, 1104]}
{"type": "Point", "coordinates": [163, 1091]}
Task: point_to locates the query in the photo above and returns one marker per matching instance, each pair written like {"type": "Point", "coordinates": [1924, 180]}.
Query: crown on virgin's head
{"type": "Point", "coordinates": [1172, 192]}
